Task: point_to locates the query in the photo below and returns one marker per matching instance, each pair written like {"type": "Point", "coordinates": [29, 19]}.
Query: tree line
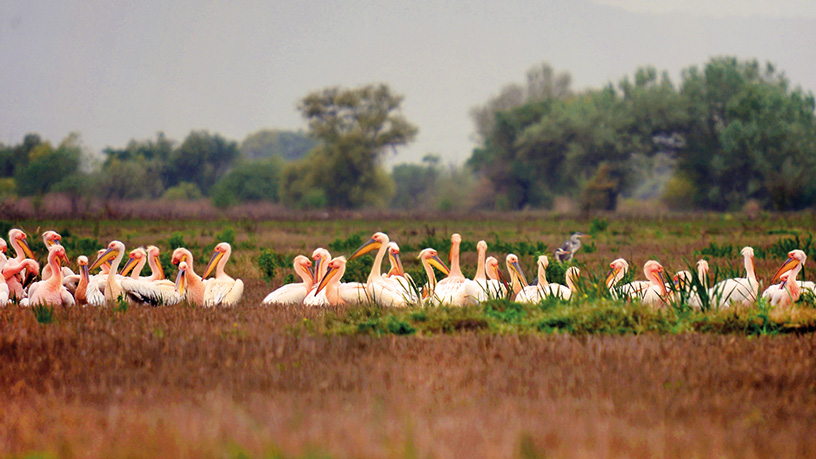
{"type": "Point", "coordinates": [730, 132]}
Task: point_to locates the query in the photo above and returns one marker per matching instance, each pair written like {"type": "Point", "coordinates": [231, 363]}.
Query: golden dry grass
{"type": "Point", "coordinates": [185, 382]}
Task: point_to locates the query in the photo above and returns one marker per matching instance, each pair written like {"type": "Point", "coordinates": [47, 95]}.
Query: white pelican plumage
{"type": "Point", "coordinates": [321, 258]}
{"type": "Point", "coordinates": [656, 295]}
{"type": "Point", "coordinates": [294, 293]}
{"type": "Point", "coordinates": [741, 290]}
{"type": "Point", "coordinates": [496, 285]}
{"type": "Point", "coordinates": [337, 293]}
{"type": "Point", "coordinates": [382, 290]}
{"type": "Point", "coordinates": [222, 290]}
{"type": "Point", "coordinates": [21, 265]}
{"type": "Point", "coordinates": [536, 293]}
{"type": "Point", "coordinates": [87, 292]}
{"type": "Point", "coordinates": [517, 279]}
{"type": "Point", "coordinates": [430, 259]}
{"type": "Point", "coordinates": [483, 288]}
{"type": "Point", "coordinates": [455, 289]}
{"type": "Point", "coordinates": [51, 238]}
{"type": "Point", "coordinates": [563, 292]}
{"type": "Point", "coordinates": [51, 291]}
{"type": "Point", "coordinates": [787, 292]}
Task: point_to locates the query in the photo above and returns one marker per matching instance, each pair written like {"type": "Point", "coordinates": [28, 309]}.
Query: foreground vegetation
{"type": "Point", "coordinates": [595, 377]}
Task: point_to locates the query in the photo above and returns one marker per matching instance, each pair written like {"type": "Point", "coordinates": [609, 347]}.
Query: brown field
{"type": "Point", "coordinates": [256, 382]}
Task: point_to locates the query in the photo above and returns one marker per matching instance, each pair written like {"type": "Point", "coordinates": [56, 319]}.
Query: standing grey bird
{"type": "Point", "coordinates": [568, 248]}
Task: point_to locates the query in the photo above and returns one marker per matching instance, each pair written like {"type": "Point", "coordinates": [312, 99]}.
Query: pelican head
{"type": "Point", "coordinates": [514, 268]}
{"type": "Point", "coordinates": [3, 245]}
{"type": "Point", "coordinates": [181, 278]}
{"type": "Point", "coordinates": [154, 252]}
{"type": "Point", "coordinates": [394, 258]}
{"type": "Point", "coordinates": [320, 256]}
{"type": "Point", "coordinates": [218, 253]}
{"type": "Point", "coordinates": [113, 251]}
{"type": "Point", "coordinates": [795, 258]}
{"type": "Point", "coordinates": [58, 252]}
{"type": "Point", "coordinates": [615, 268]}
{"type": "Point", "coordinates": [179, 255]}
{"type": "Point", "coordinates": [51, 238]}
{"type": "Point", "coordinates": [82, 261]}
{"type": "Point", "coordinates": [543, 261]}
{"type": "Point", "coordinates": [378, 240]}
{"type": "Point", "coordinates": [135, 255]}
{"type": "Point", "coordinates": [17, 235]}
{"type": "Point", "coordinates": [654, 272]}
{"type": "Point", "coordinates": [336, 268]}
{"type": "Point", "coordinates": [481, 246]}
{"type": "Point", "coordinates": [431, 256]}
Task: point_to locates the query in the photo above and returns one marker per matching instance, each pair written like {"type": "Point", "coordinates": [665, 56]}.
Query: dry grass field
{"type": "Point", "coordinates": [277, 382]}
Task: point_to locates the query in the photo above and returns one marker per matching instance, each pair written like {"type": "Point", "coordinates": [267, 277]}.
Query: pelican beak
{"type": "Point", "coordinates": [104, 258]}
{"type": "Point", "coordinates": [789, 264]}
{"type": "Point", "coordinates": [370, 245]}
{"type": "Point", "coordinates": [316, 271]}
{"type": "Point", "coordinates": [131, 263]}
{"type": "Point", "coordinates": [503, 279]}
{"type": "Point", "coordinates": [398, 264]}
{"type": "Point", "coordinates": [438, 264]}
{"type": "Point", "coordinates": [611, 276]}
{"type": "Point", "coordinates": [329, 274]}
{"type": "Point", "coordinates": [181, 282]}
{"type": "Point", "coordinates": [662, 283]}
{"type": "Point", "coordinates": [216, 257]}
{"type": "Point", "coordinates": [84, 269]}
{"type": "Point", "coordinates": [311, 271]}
{"type": "Point", "coordinates": [64, 258]}
{"type": "Point", "coordinates": [517, 269]}
{"type": "Point", "coordinates": [160, 269]}
{"type": "Point", "coordinates": [26, 249]}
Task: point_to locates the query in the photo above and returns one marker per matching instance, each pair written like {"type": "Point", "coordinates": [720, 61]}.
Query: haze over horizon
{"type": "Point", "coordinates": [122, 71]}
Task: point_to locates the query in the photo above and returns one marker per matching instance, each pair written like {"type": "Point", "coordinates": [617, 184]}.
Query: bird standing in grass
{"type": "Point", "coordinates": [569, 247]}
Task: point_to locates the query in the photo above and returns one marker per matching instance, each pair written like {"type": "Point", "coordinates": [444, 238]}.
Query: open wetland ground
{"type": "Point", "coordinates": [596, 377]}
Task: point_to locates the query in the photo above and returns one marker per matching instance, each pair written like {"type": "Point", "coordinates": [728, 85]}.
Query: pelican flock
{"type": "Point", "coordinates": [321, 281]}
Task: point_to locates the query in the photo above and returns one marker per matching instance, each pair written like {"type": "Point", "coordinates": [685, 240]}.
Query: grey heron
{"type": "Point", "coordinates": [569, 247]}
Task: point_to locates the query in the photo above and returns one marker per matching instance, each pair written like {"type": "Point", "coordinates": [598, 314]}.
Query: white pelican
{"type": "Point", "coordinates": [87, 292]}
{"type": "Point", "coordinates": [397, 272]}
{"type": "Point", "coordinates": [517, 279]}
{"type": "Point", "coordinates": [222, 289]}
{"type": "Point", "coordinates": [563, 292]}
{"type": "Point", "coordinates": [741, 290]}
{"type": "Point", "coordinates": [51, 238]}
{"type": "Point", "coordinates": [115, 252]}
{"type": "Point", "coordinates": [193, 285]}
{"type": "Point", "coordinates": [483, 288]}
{"type": "Point", "coordinates": [19, 266]}
{"type": "Point", "coordinates": [337, 293]}
{"type": "Point", "coordinates": [321, 258]}
{"type": "Point", "coordinates": [294, 293]}
{"type": "Point", "coordinates": [684, 282]}
{"type": "Point", "coordinates": [455, 289]}
{"type": "Point", "coordinates": [382, 290]}
{"type": "Point", "coordinates": [4, 289]}
{"type": "Point", "coordinates": [536, 293]}
{"type": "Point", "coordinates": [136, 261]}
{"type": "Point", "coordinates": [430, 259]}
{"type": "Point", "coordinates": [617, 271]}
{"type": "Point", "coordinates": [51, 291]}
{"type": "Point", "coordinates": [496, 285]}
{"type": "Point", "coordinates": [656, 295]}
{"type": "Point", "coordinates": [787, 292]}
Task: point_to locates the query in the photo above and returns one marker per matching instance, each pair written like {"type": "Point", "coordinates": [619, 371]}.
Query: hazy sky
{"type": "Point", "coordinates": [120, 70]}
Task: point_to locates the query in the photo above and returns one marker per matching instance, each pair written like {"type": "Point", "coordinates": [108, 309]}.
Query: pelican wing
{"type": "Point", "coordinates": [287, 294]}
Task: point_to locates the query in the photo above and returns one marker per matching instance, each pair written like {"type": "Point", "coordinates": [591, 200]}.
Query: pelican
{"type": "Point", "coordinates": [193, 285]}
{"type": "Point", "coordinates": [294, 293]}
{"type": "Point", "coordinates": [786, 293]}
{"type": "Point", "coordinates": [536, 293]}
{"type": "Point", "coordinates": [517, 279]}
{"type": "Point", "coordinates": [455, 289]}
{"type": "Point", "coordinates": [396, 271]}
{"type": "Point", "coordinates": [430, 259]}
{"type": "Point", "coordinates": [483, 288]}
{"type": "Point", "coordinates": [337, 293]}
{"type": "Point", "coordinates": [51, 238]}
{"type": "Point", "coordinates": [17, 268]}
{"type": "Point", "coordinates": [321, 258]}
{"type": "Point", "coordinates": [136, 261]}
{"type": "Point", "coordinates": [222, 289]}
{"type": "Point", "coordinates": [617, 271]}
{"type": "Point", "coordinates": [51, 291]}
{"type": "Point", "coordinates": [741, 290]}
{"type": "Point", "coordinates": [382, 290]}
{"type": "Point", "coordinates": [4, 289]}
{"type": "Point", "coordinates": [496, 285]}
{"type": "Point", "coordinates": [684, 282]}
{"type": "Point", "coordinates": [114, 252]}
{"type": "Point", "coordinates": [656, 295]}
{"type": "Point", "coordinates": [569, 247]}
{"type": "Point", "coordinates": [87, 292]}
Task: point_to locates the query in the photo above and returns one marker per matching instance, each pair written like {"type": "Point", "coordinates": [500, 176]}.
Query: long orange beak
{"type": "Point", "coordinates": [216, 257]}
{"type": "Point", "coordinates": [370, 245]}
{"type": "Point", "coordinates": [325, 281]}
{"type": "Point", "coordinates": [181, 282]}
{"type": "Point", "coordinates": [517, 269]}
{"type": "Point", "coordinates": [26, 249]}
{"type": "Point", "coordinates": [438, 264]}
{"type": "Point", "coordinates": [105, 257]}
{"type": "Point", "coordinates": [131, 263]}
{"type": "Point", "coordinates": [789, 264]}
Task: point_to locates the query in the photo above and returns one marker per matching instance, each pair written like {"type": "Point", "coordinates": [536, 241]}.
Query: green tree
{"type": "Point", "coordinates": [249, 181]}
{"type": "Point", "coordinates": [202, 159]}
{"type": "Point", "coordinates": [288, 145]}
{"type": "Point", "coordinates": [415, 184]}
{"type": "Point", "coordinates": [749, 136]}
{"type": "Point", "coordinates": [356, 128]}
{"type": "Point", "coordinates": [47, 166]}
